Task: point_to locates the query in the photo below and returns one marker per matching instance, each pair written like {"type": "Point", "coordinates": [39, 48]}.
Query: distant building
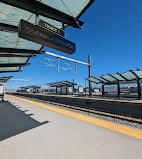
{"type": "Point", "coordinates": [133, 89]}
{"type": "Point", "coordinates": [124, 89]}
{"type": "Point", "coordinates": [96, 90]}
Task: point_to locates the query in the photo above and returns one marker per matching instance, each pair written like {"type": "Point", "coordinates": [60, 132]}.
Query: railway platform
{"type": "Point", "coordinates": [30, 129]}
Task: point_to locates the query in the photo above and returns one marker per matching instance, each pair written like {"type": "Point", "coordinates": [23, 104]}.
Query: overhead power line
{"type": "Point", "coordinates": [124, 12]}
{"type": "Point", "coordinates": [118, 30]}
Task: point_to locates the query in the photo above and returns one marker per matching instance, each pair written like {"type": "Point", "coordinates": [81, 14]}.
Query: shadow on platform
{"type": "Point", "coordinates": [14, 121]}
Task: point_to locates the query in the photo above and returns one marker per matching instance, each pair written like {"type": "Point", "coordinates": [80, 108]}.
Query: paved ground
{"type": "Point", "coordinates": [28, 131]}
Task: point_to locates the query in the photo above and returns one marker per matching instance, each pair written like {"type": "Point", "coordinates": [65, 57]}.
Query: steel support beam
{"type": "Point", "coordinates": [139, 88]}
{"type": "Point", "coordinates": [89, 73]}
{"type": "Point", "coordinates": [15, 65]}
{"type": "Point", "coordinates": [8, 28]}
{"type": "Point", "coordinates": [103, 89]}
{"type": "Point", "coordinates": [39, 8]}
{"type": "Point", "coordinates": [56, 89]}
{"type": "Point", "coordinates": [73, 86]}
{"type": "Point", "coordinates": [138, 84]}
{"type": "Point", "coordinates": [14, 55]}
{"type": "Point", "coordinates": [23, 51]}
{"type": "Point", "coordinates": [118, 88]}
{"type": "Point", "coordinates": [65, 58]}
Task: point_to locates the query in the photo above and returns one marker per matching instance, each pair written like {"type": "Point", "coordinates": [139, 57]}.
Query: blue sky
{"type": "Point", "coordinates": [111, 50]}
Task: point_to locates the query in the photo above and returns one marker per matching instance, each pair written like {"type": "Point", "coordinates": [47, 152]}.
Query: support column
{"type": "Point", "coordinates": [139, 88]}
{"type": "Point", "coordinates": [103, 89]}
{"type": "Point", "coordinates": [56, 89]}
{"type": "Point", "coordinates": [73, 87]}
{"type": "Point", "coordinates": [66, 90]}
{"type": "Point", "coordinates": [118, 89]}
{"type": "Point", "coordinates": [89, 66]}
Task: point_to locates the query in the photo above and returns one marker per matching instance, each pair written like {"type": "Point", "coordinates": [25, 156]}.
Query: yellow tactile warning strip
{"type": "Point", "coordinates": [112, 126]}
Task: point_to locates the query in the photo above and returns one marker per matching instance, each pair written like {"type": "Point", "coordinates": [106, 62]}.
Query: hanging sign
{"type": "Point", "coordinates": [50, 27]}
{"type": "Point", "coordinates": [45, 37]}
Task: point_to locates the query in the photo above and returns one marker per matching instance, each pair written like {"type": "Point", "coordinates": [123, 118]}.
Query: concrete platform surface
{"type": "Point", "coordinates": [28, 131]}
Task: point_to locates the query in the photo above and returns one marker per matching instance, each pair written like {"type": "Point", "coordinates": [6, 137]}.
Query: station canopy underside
{"type": "Point", "coordinates": [60, 84]}
{"type": "Point", "coordinates": [11, 12]}
{"type": "Point", "coordinates": [4, 79]}
{"type": "Point", "coordinates": [129, 77]}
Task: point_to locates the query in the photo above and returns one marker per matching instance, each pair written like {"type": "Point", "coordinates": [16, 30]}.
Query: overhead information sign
{"type": "Point", "coordinates": [45, 37]}
{"type": "Point", "coordinates": [50, 27]}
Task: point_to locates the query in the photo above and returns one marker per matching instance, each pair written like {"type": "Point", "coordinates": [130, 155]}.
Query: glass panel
{"type": "Point", "coordinates": [11, 40]}
{"type": "Point", "coordinates": [139, 73]}
{"type": "Point", "coordinates": [10, 60]}
{"type": "Point", "coordinates": [27, 54]}
{"type": "Point", "coordinates": [74, 6]}
{"type": "Point", "coordinates": [94, 80]}
{"type": "Point", "coordinates": [129, 75]}
{"type": "Point", "coordinates": [12, 15]}
{"type": "Point", "coordinates": [111, 79]}
{"type": "Point", "coordinates": [118, 77]}
{"type": "Point", "coordinates": [9, 69]}
{"type": "Point", "coordinates": [101, 79]}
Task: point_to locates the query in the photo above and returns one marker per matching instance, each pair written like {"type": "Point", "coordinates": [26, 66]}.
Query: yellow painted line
{"type": "Point", "coordinates": [112, 126]}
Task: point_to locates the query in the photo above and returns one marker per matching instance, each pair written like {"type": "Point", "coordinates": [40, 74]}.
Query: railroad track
{"type": "Point", "coordinates": [89, 111]}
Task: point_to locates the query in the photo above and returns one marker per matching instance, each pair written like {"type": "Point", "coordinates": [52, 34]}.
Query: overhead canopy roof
{"type": "Point", "coordinates": [60, 84]}
{"type": "Point", "coordinates": [53, 12]}
{"type": "Point", "coordinates": [63, 11]}
{"type": "Point", "coordinates": [12, 48]}
{"type": "Point", "coordinates": [4, 79]}
{"type": "Point", "coordinates": [23, 88]}
{"type": "Point", "coordinates": [12, 16]}
{"type": "Point", "coordinates": [125, 78]}
{"type": "Point", "coordinates": [11, 60]}
{"type": "Point", "coordinates": [33, 86]}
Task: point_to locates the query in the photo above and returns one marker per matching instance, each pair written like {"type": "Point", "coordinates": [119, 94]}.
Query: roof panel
{"type": "Point", "coordinates": [11, 40]}
{"type": "Point", "coordinates": [94, 80]}
{"type": "Point", "coordinates": [12, 15]}
{"type": "Point", "coordinates": [11, 60]}
{"type": "Point", "coordinates": [62, 83]}
{"type": "Point", "coordinates": [4, 79]}
{"type": "Point", "coordinates": [138, 73]}
{"type": "Point", "coordinates": [109, 78]}
{"type": "Point", "coordinates": [70, 7]}
{"type": "Point", "coordinates": [9, 69]}
{"type": "Point", "coordinates": [118, 77]}
{"type": "Point", "coordinates": [99, 78]}
{"type": "Point", "coordinates": [129, 75]}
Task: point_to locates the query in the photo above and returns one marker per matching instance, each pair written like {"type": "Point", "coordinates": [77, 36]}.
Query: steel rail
{"type": "Point", "coordinates": [89, 111]}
